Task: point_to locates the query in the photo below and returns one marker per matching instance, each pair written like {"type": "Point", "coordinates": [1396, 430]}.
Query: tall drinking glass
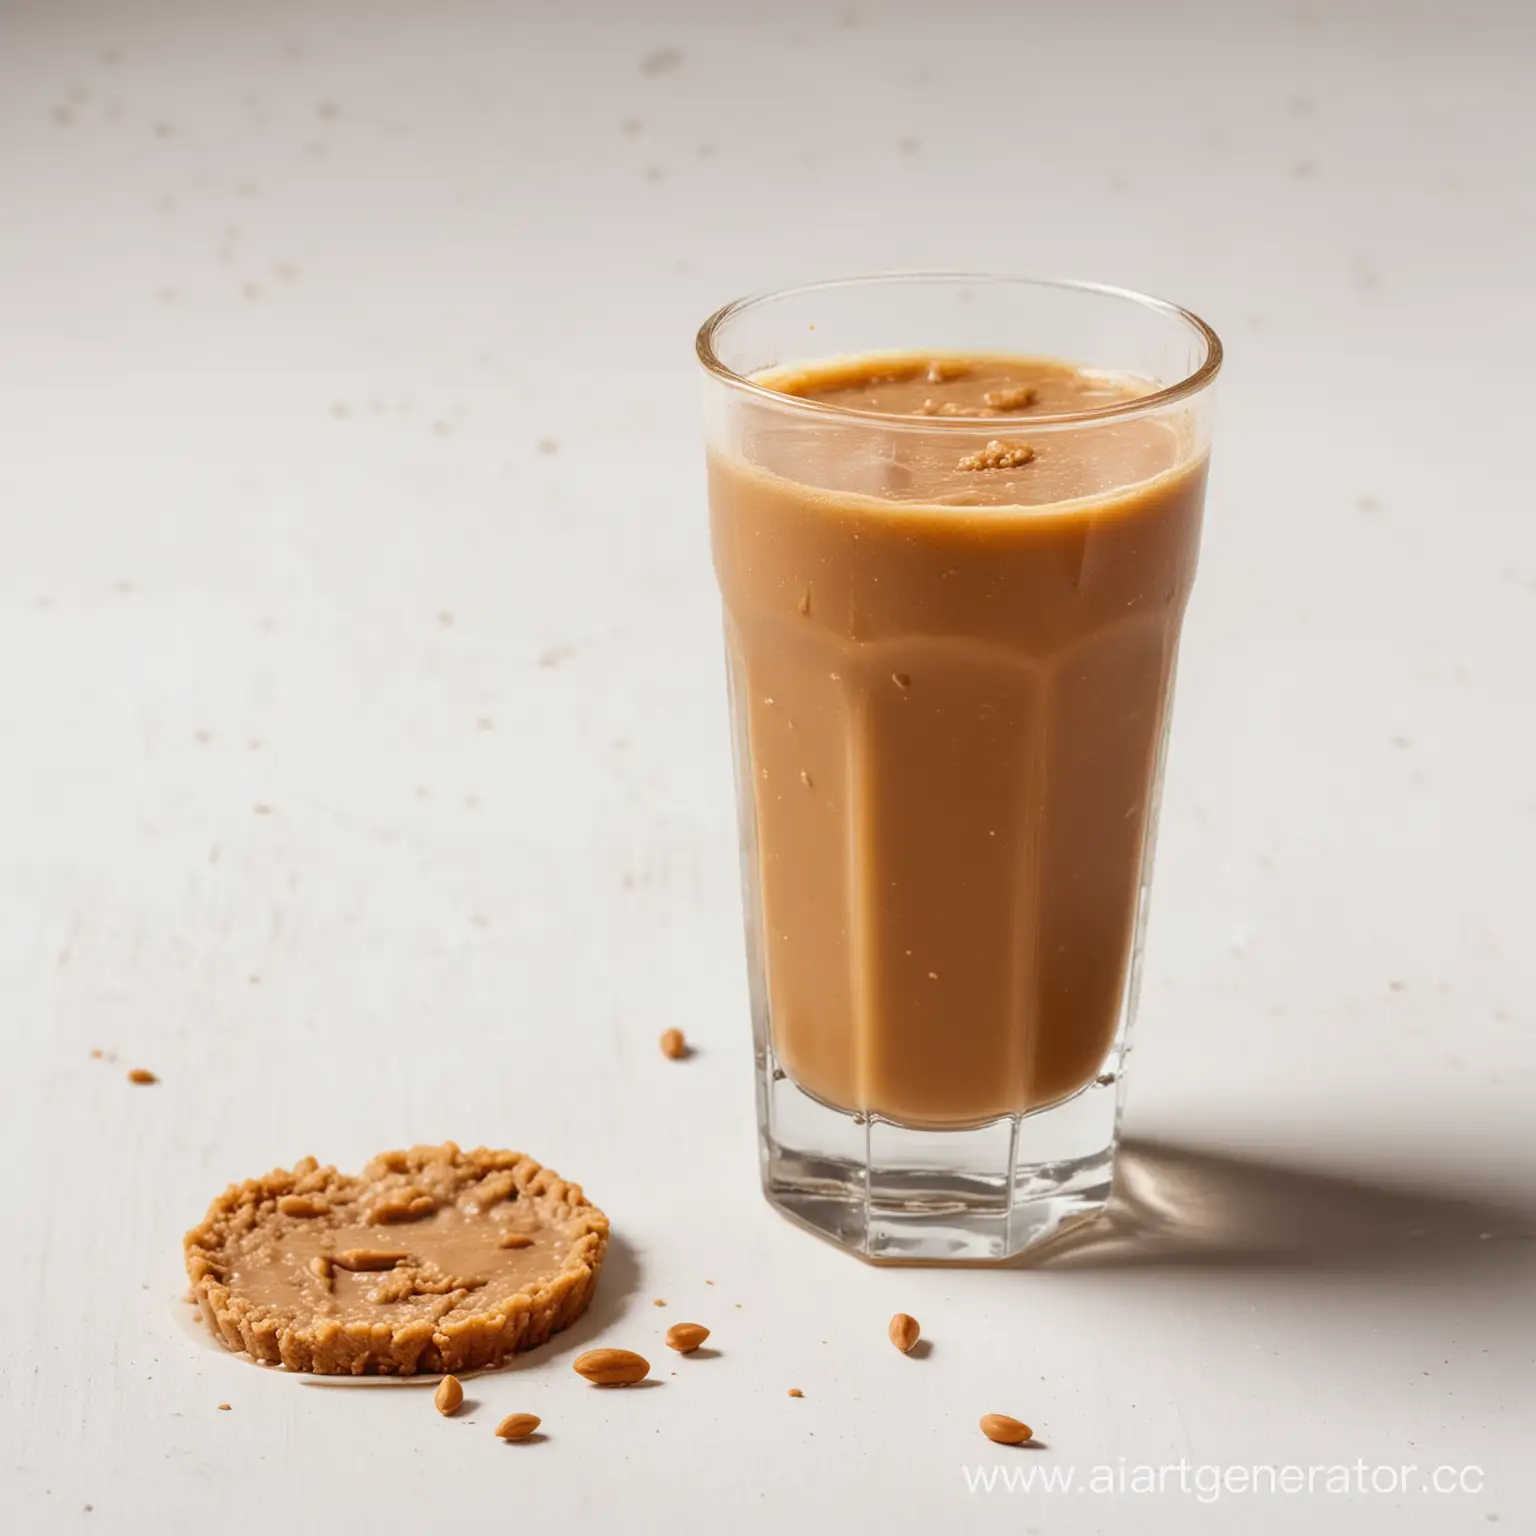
{"type": "Point", "coordinates": [951, 634]}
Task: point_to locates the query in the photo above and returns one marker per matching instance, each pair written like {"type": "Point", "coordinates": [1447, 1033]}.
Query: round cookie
{"type": "Point", "coordinates": [431, 1260]}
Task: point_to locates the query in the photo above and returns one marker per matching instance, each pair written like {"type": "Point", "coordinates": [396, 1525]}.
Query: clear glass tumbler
{"type": "Point", "coordinates": [950, 716]}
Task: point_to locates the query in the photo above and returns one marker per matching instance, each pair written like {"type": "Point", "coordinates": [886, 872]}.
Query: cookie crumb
{"type": "Point", "coordinates": [658, 1302]}
{"type": "Point", "coordinates": [1019, 398]}
{"type": "Point", "coordinates": [142, 1076]}
{"type": "Point", "coordinates": [998, 455]}
{"type": "Point", "coordinates": [953, 408]}
{"type": "Point", "coordinates": [674, 1044]}
{"type": "Point", "coordinates": [942, 372]}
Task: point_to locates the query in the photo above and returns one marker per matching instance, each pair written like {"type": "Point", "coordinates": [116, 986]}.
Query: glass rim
{"type": "Point", "coordinates": [1191, 384]}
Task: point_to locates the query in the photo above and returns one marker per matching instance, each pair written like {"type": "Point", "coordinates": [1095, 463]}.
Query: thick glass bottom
{"type": "Point", "coordinates": [894, 1194]}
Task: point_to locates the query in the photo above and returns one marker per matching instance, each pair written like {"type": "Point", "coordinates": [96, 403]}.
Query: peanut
{"type": "Point", "coordinates": [1004, 1430]}
{"type": "Point", "coordinates": [518, 1426]}
{"type": "Point", "coordinates": [612, 1367]}
{"type": "Point", "coordinates": [686, 1337]}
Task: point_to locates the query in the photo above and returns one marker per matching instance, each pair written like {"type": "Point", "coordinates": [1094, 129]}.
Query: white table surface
{"type": "Point", "coordinates": [365, 768]}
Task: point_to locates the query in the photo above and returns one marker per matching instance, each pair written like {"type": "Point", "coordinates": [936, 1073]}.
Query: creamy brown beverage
{"type": "Point", "coordinates": [953, 660]}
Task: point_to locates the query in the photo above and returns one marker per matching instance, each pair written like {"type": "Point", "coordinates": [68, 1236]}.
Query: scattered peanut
{"type": "Point", "coordinates": [142, 1076]}
{"type": "Point", "coordinates": [686, 1337]}
{"type": "Point", "coordinates": [449, 1395]}
{"type": "Point", "coordinates": [796, 1392]}
{"type": "Point", "coordinates": [518, 1426]}
{"type": "Point", "coordinates": [674, 1044]}
{"type": "Point", "coordinates": [1005, 1431]}
{"type": "Point", "coordinates": [904, 1331]}
{"type": "Point", "coordinates": [612, 1367]}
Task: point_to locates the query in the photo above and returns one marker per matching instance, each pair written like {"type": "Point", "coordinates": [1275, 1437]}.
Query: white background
{"type": "Point", "coordinates": [364, 767]}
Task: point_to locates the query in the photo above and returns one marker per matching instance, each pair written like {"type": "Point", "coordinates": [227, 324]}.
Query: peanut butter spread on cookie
{"type": "Point", "coordinates": [379, 1274]}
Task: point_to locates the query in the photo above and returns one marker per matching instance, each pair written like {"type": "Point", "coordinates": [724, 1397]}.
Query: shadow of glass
{"type": "Point", "coordinates": [1177, 1206]}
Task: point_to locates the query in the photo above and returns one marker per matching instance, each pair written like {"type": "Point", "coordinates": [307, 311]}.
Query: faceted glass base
{"type": "Point", "coordinates": [897, 1195]}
